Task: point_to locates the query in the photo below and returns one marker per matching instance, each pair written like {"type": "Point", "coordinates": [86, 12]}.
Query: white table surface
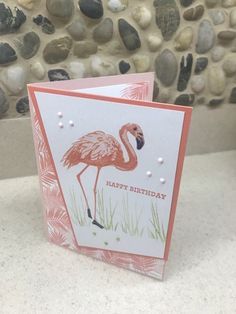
{"type": "Point", "coordinates": [38, 277]}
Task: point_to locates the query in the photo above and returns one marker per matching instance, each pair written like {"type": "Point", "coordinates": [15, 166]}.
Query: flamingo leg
{"type": "Point", "coordinates": [95, 193]}
{"type": "Point", "coordinates": [82, 188]}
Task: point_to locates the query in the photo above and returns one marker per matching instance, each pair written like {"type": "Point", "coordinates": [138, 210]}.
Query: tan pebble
{"type": "Point", "coordinates": [184, 39]}
{"type": "Point", "coordinates": [233, 18]}
{"type": "Point", "coordinates": [27, 4]}
{"type": "Point", "coordinates": [37, 70]}
{"type": "Point", "coordinates": [154, 42]}
{"type": "Point", "coordinates": [141, 63]}
{"type": "Point", "coordinates": [216, 80]}
{"type": "Point", "coordinates": [142, 16]}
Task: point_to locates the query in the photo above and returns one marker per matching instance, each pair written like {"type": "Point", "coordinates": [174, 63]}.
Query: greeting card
{"type": "Point", "coordinates": [110, 162]}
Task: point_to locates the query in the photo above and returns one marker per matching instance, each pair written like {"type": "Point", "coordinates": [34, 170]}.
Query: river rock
{"type": "Point", "coordinates": [216, 80]}
{"type": "Point", "coordinates": [185, 72]}
{"type": "Point", "coordinates": [217, 53]}
{"type": "Point", "coordinates": [115, 47]}
{"type": "Point", "coordinates": [217, 16]}
{"type": "Point", "coordinates": [142, 16]}
{"type": "Point", "coordinates": [4, 104]}
{"type": "Point", "coordinates": [104, 31]}
{"type": "Point", "coordinates": [14, 78]}
{"type": "Point", "coordinates": [22, 105]}
{"type": "Point", "coordinates": [37, 70]}
{"type": "Point", "coordinates": [166, 67]}
{"type": "Point", "coordinates": [117, 5]}
{"type": "Point", "coordinates": [101, 67]}
{"type": "Point", "coordinates": [185, 99]}
{"type": "Point", "coordinates": [58, 75]}
{"type": "Point", "coordinates": [228, 3]}
{"type": "Point", "coordinates": [7, 54]}
{"type": "Point", "coordinates": [164, 95]}
{"type": "Point", "coordinates": [141, 63]}
{"type": "Point", "coordinates": [77, 29]}
{"type": "Point", "coordinates": [57, 50]}
{"type": "Point", "coordinates": [45, 23]}
{"type": "Point", "coordinates": [186, 3]}
{"type": "Point", "coordinates": [206, 37]}
{"type": "Point", "coordinates": [84, 49]}
{"type": "Point", "coordinates": [215, 102]}
{"type": "Point", "coordinates": [194, 14]}
{"type": "Point", "coordinates": [27, 4]}
{"type": "Point", "coordinates": [232, 18]}
{"type": "Point", "coordinates": [184, 39]}
{"type": "Point", "coordinates": [28, 45]}
{"type": "Point", "coordinates": [60, 8]}
{"type": "Point", "coordinates": [229, 65]}
{"type": "Point", "coordinates": [167, 17]}
{"type": "Point", "coordinates": [227, 35]}
{"type": "Point", "coordinates": [201, 64]}
{"type": "Point", "coordinates": [129, 35]}
{"type": "Point", "coordinates": [211, 3]}
{"type": "Point", "coordinates": [76, 69]}
{"type": "Point", "coordinates": [91, 8]}
{"type": "Point", "coordinates": [124, 67]}
{"type": "Point", "coordinates": [10, 23]}
{"type": "Point", "coordinates": [154, 42]}
{"type": "Point", "coordinates": [198, 83]}
{"type": "Point", "coordinates": [232, 98]}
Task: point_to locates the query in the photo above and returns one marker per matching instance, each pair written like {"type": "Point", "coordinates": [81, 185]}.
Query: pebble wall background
{"type": "Point", "coordinates": [190, 44]}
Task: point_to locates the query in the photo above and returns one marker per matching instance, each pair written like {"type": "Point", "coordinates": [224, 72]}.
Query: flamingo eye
{"type": "Point", "coordinates": [135, 128]}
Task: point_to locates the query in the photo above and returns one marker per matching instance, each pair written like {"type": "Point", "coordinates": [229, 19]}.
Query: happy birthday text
{"type": "Point", "coordinates": [135, 189]}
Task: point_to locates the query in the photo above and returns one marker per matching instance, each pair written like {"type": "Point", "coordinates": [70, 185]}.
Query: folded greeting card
{"type": "Point", "coordinates": [109, 162]}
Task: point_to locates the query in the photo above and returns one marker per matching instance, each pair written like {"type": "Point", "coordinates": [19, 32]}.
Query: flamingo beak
{"type": "Point", "coordinates": [140, 141]}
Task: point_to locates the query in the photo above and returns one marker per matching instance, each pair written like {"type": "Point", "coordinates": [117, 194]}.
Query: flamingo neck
{"type": "Point", "coordinates": [132, 162]}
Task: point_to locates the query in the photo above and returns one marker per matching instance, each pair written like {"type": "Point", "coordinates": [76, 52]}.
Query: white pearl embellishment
{"type": "Point", "coordinates": [149, 174]}
{"type": "Point", "coordinates": [162, 180]}
{"type": "Point", "coordinates": [71, 123]}
{"type": "Point", "coordinates": [160, 160]}
{"type": "Point", "coordinates": [60, 115]}
{"type": "Point", "coordinates": [60, 124]}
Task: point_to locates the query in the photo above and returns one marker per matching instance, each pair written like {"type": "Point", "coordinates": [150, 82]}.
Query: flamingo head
{"type": "Point", "coordinates": [137, 132]}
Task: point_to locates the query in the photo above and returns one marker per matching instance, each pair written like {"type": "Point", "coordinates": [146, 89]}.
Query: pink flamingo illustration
{"type": "Point", "coordinates": [100, 150]}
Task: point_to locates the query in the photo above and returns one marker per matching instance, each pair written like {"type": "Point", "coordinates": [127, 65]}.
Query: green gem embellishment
{"type": "Point", "coordinates": [94, 233]}
{"type": "Point", "coordinates": [106, 243]}
{"type": "Point", "coordinates": [118, 239]}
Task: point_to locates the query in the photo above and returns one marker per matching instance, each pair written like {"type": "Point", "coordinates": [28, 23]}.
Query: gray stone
{"type": "Point", "coordinates": [217, 53]}
{"type": "Point", "coordinates": [198, 83]}
{"type": "Point", "coordinates": [186, 3]}
{"type": "Point", "coordinates": [217, 16]}
{"type": "Point", "coordinates": [57, 50]}
{"type": "Point", "coordinates": [22, 105]}
{"type": "Point", "coordinates": [58, 75]}
{"type": "Point", "coordinates": [14, 78]}
{"type": "Point", "coordinates": [156, 91]}
{"type": "Point", "coordinates": [124, 67]}
{"type": "Point", "coordinates": [167, 17]}
{"type": "Point", "coordinates": [84, 49]}
{"type": "Point", "coordinates": [4, 104]}
{"type": "Point", "coordinates": [185, 99]}
{"type": "Point", "coordinates": [201, 64]}
{"type": "Point", "coordinates": [60, 8]}
{"type": "Point", "coordinates": [91, 8]}
{"type": "Point", "coordinates": [164, 95]}
{"type": "Point", "coordinates": [229, 65]}
{"type": "Point", "coordinates": [166, 67]}
{"type": "Point", "coordinates": [184, 39]}
{"type": "Point", "coordinates": [129, 35]}
{"type": "Point", "coordinates": [206, 37]}
{"type": "Point", "coordinates": [216, 80]}
{"type": "Point", "coordinates": [185, 72]}
{"type": "Point", "coordinates": [228, 3]}
{"type": "Point", "coordinates": [211, 3]}
{"type": "Point", "coordinates": [7, 54]}
{"type": "Point", "coordinates": [227, 35]}
{"type": "Point", "coordinates": [194, 14]}
{"type": "Point", "coordinates": [104, 31]}
{"type": "Point", "coordinates": [232, 98]}
{"type": "Point", "coordinates": [28, 45]}
{"type": "Point", "coordinates": [8, 22]}
{"type": "Point", "coordinates": [45, 23]}
{"type": "Point", "coordinates": [77, 29]}
{"type": "Point", "coordinates": [215, 102]}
